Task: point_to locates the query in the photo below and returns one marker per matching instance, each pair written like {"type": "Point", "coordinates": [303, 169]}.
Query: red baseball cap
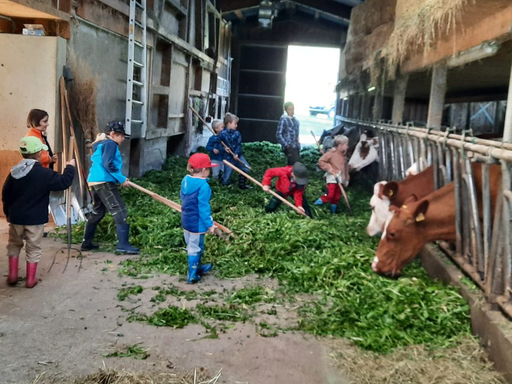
{"type": "Point", "coordinates": [201, 160]}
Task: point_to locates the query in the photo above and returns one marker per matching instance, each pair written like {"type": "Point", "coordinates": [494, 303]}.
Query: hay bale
{"type": "Point", "coordinates": [371, 14]}
{"type": "Point", "coordinates": [355, 52]}
{"type": "Point", "coordinates": [417, 25]}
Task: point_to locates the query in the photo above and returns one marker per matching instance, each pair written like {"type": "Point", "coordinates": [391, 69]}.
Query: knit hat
{"type": "Point", "coordinates": [200, 161]}
{"type": "Point", "coordinates": [30, 145]}
{"type": "Point", "coordinates": [300, 173]}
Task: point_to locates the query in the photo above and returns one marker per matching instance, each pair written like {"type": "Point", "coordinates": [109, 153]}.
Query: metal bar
{"type": "Point", "coordinates": [458, 211]}
{"type": "Point", "coordinates": [412, 129]}
{"type": "Point", "coordinates": [486, 208]}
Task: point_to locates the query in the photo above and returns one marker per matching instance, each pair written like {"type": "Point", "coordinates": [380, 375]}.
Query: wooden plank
{"type": "Point", "coordinates": [399, 99]}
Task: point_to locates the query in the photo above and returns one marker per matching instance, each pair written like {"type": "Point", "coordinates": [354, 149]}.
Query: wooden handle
{"type": "Point", "coordinates": [344, 193]}
{"type": "Point", "coordinates": [317, 143]}
{"type": "Point", "coordinates": [228, 150]}
{"type": "Point", "coordinates": [261, 185]}
{"type": "Point", "coordinates": [174, 205]}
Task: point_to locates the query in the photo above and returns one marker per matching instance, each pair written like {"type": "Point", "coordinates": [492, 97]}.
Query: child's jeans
{"type": "Point", "coordinates": [195, 243]}
{"type": "Point", "coordinates": [217, 170]}
{"type": "Point", "coordinates": [226, 175]}
{"type": "Point", "coordinates": [33, 235]}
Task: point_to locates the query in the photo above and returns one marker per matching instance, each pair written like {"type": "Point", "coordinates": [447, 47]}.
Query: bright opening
{"type": "Point", "coordinates": [311, 76]}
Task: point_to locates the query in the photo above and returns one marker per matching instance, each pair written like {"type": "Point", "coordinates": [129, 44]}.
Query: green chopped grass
{"type": "Point", "coordinates": [327, 259]}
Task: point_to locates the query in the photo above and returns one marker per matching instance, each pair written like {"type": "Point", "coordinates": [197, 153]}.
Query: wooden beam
{"type": "Point", "coordinates": [399, 99]}
{"type": "Point", "coordinates": [328, 6]}
{"type": "Point", "coordinates": [507, 131]}
{"type": "Point", "coordinates": [240, 15]}
{"type": "Point", "coordinates": [233, 5]}
{"type": "Point", "coordinates": [437, 94]}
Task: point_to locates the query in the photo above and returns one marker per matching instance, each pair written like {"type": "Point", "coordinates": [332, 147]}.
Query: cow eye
{"type": "Point", "coordinates": [392, 235]}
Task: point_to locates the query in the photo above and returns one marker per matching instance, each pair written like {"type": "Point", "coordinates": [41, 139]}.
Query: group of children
{"type": "Point", "coordinates": [26, 208]}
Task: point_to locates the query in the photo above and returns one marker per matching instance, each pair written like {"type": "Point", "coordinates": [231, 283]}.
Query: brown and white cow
{"type": "Point", "coordinates": [390, 193]}
{"type": "Point", "coordinates": [418, 222]}
{"type": "Point", "coordinates": [364, 153]}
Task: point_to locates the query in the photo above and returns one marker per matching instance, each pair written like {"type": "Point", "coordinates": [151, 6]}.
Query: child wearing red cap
{"type": "Point", "coordinates": [196, 217]}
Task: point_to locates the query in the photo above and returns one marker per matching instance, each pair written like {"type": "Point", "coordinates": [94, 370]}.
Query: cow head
{"type": "Point", "coordinates": [379, 205]}
{"type": "Point", "coordinates": [364, 153]}
{"type": "Point", "coordinates": [402, 238]}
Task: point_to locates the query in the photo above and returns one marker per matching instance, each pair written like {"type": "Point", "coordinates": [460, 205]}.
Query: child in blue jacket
{"type": "Point", "coordinates": [216, 149]}
{"type": "Point", "coordinates": [196, 217]}
{"type": "Point", "coordinates": [104, 175]}
{"type": "Point", "coordinates": [233, 139]}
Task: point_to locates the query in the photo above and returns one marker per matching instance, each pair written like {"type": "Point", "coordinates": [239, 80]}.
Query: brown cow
{"type": "Point", "coordinates": [418, 222]}
{"type": "Point", "coordinates": [386, 194]}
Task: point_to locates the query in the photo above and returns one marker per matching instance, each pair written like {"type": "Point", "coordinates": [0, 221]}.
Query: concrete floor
{"type": "Point", "coordinates": [69, 321]}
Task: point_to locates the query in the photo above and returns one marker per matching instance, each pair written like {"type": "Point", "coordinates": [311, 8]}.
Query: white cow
{"type": "Point", "coordinates": [380, 210]}
{"type": "Point", "coordinates": [365, 153]}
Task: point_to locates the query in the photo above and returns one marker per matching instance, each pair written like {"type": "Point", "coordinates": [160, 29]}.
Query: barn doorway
{"type": "Point", "coordinates": [311, 76]}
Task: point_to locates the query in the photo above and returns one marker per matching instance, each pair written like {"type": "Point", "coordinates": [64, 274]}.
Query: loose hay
{"type": "Point", "coordinates": [464, 364]}
{"type": "Point", "coordinates": [114, 376]}
{"type": "Point", "coordinates": [83, 98]}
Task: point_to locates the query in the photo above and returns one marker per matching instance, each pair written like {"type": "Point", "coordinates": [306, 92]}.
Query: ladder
{"type": "Point", "coordinates": [136, 91]}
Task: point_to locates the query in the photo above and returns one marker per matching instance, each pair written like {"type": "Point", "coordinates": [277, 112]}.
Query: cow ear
{"type": "Point", "coordinates": [390, 189]}
{"type": "Point", "coordinates": [411, 199]}
{"type": "Point", "coordinates": [421, 210]}
{"type": "Point", "coordinates": [363, 137]}
{"type": "Point", "coordinates": [393, 208]}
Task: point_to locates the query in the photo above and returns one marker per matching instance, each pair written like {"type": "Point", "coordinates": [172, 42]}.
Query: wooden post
{"type": "Point", "coordinates": [507, 131]}
{"type": "Point", "coordinates": [399, 99]}
{"type": "Point", "coordinates": [377, 107]}
{"type": "Point", "coordinates": [437, 93]}
{"type": "Point", "coordinates": [365, 109]}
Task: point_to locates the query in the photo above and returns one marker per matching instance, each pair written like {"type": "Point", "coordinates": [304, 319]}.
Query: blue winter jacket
{"type": "Point", "coordinates": [106, 162]}
{"type": "Point", "coordinates": [196, 214]}
{"type": "Point", "coordinates": [214, 143]}
{"type": "Point", "coordinates": [233, 139]}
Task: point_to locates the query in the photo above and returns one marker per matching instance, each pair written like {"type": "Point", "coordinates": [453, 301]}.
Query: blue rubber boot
{"type": "Point", "coordinates": [333, 208]}
{"type": "Point", "coordinates": [123, 245]}
{"type": "Point", "coordinates": [319, 202]}
{"type": "Point", "coordinates": [204, 268]}
{"type": "Point", "coordinates": [194, 262]}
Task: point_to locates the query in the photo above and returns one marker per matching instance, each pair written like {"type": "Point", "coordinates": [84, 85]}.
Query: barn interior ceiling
{"type": "Point", "coordinates": [335, 11]}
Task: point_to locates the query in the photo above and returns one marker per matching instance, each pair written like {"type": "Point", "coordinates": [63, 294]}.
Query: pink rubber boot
{"type": "Point", "coordinates": [13, 270]}
{"type": "Point", "coordinates": [31, 275]}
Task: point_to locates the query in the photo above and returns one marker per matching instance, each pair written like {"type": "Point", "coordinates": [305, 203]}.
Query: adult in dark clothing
{"type": "Point", "coordinates": [25, 196]}
{"type": "Point", "coordinates": [287, 134]}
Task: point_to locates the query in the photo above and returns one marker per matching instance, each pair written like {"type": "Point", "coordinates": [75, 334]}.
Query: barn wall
{"type": "Point", "coordinates": [31, 83]}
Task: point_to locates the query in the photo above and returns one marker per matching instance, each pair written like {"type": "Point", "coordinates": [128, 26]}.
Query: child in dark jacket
{"type": "Point", "coordinates": [25, 196]}
{"type": "Point", "coordinates": [233, 139]}
{"type": "Point", "coordinates": [104, 175]}
{"type": "Point", "coordinates": [291, 181]}
{"type": "Point", "coordinates": [196, 217]}
{"type": "Point", "coordinates": [216, 149]}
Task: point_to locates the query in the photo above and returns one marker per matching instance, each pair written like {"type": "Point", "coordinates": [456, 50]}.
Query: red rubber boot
{"type": "Point", "coordinates": [13, 270]}
{"type": "Point", "coordinates": [31, 275]}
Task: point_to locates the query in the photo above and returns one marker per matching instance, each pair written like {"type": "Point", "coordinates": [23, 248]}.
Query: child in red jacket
{"type": "Point", "coordinates": [291, 181]}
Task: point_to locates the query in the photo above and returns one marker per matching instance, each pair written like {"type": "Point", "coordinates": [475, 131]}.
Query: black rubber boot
{"type": "Point", "coordinates": [242, 183]}
{"type": "Point", "coordinates": [87, 244]}
{"type": "Point", "coordinates": [123, 245]}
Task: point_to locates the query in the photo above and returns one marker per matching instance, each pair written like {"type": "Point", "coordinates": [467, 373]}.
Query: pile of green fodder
{"type": "Point", "coordinates": [327, 258]}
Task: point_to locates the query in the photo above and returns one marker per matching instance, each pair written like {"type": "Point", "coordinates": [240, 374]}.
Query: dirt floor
{"type": "Point", "coordinates": [66, 325]}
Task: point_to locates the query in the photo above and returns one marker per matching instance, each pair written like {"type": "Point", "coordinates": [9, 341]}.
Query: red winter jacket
{"type": "Point", "coordinates": [285, 184]}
